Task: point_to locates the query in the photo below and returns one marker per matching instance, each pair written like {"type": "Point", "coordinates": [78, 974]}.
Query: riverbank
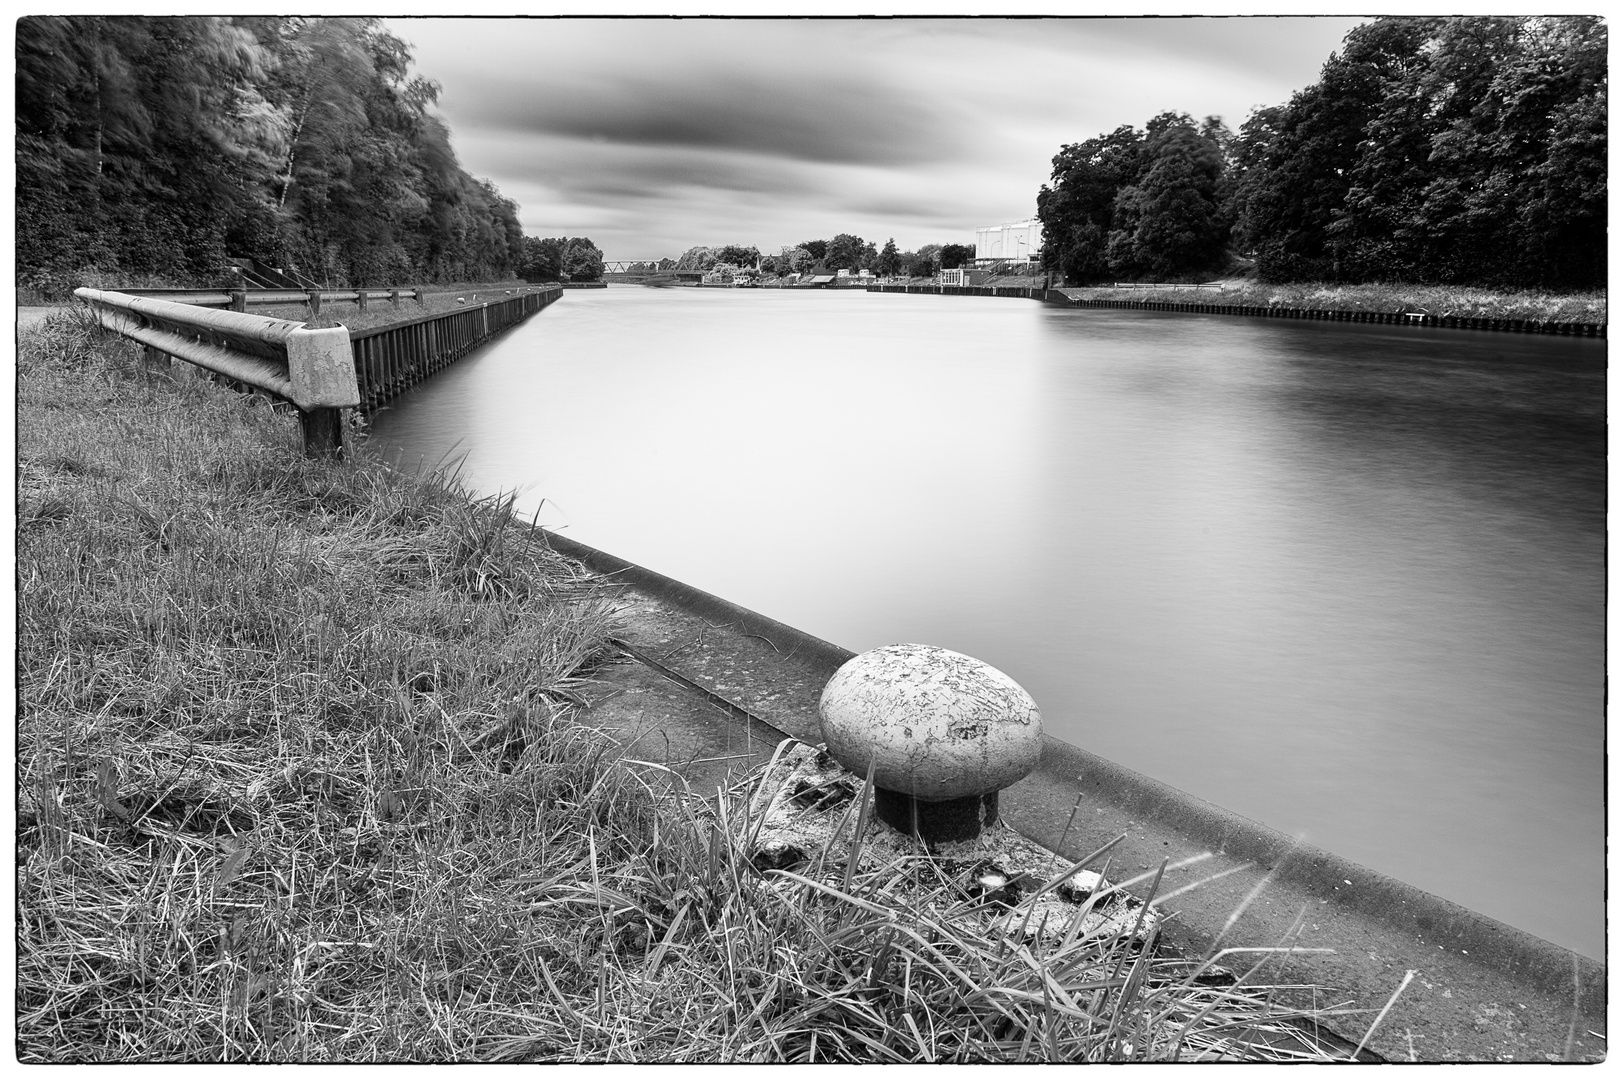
{"type": "Point", "coordinates": [1446, 305]}
{"type": "Point", "coordinates": [1438, 301]}
{"type": "Point", "coordinates": [1362, 307]}
{"type": "Point", "coordinates": [301, 778]}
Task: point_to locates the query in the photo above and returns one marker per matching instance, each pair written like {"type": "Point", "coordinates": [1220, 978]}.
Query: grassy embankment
{"type": "Point", "coordinates": [1440, 300]}
{"type": "Point", "coordinates": [298, 780]}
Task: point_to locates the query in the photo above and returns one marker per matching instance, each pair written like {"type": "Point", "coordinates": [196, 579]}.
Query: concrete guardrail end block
{"type": "Point", "coordinates": [321, 365]}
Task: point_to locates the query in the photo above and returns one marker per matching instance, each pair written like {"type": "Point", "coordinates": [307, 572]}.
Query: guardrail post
{"type": "Point", "coordinates": [155, 359]}
{"type": "Point", "coordinates": [314, 302]}
{"type": "Point", "coordinates": [360, 299]}
{"type": "Point", "coordinates": [321, 366]}
{"type": "Point", "coordinates": [323, 432]}
{"type": "Point", "coordinates": [239, 300]}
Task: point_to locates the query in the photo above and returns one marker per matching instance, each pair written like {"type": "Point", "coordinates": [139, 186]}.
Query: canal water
{"type": "Point", "coordinates": [1345, 580]}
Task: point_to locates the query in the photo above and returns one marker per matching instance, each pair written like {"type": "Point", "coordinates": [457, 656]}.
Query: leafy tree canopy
{"type": "Point", "coordinates": [160, 146]}
{"type": "Point", "coordinates": [1468, 150]}
{"type": "Point", "coordinates": [738, 255]}
{"type": "Point", "coordinates": [844, 252]}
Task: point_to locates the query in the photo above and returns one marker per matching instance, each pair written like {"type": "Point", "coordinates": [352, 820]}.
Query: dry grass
{"type": "Point", "coordinates": [299, 780]}
{"type": "Point", "coordinates": [1440, 300]}
{"type": "Point", "coordinates": [282, 726]}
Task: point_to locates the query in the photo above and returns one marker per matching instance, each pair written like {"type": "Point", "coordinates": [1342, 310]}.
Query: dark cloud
{"type": "Point", "coordinates": [842, 124]}
{"type": "Point", "coordinates": [619, 171]}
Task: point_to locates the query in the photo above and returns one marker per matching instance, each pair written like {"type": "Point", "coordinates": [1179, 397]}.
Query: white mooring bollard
{"type": "Point", "coordinates": [944, 733]}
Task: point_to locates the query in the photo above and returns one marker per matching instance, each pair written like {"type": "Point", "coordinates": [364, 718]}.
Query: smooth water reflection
{"type": "Point", "coordinates": [1346, 580]}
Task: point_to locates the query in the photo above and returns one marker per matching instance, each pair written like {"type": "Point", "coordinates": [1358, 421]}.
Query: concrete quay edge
{"type": "Point", "coordinates": [1483, 990]}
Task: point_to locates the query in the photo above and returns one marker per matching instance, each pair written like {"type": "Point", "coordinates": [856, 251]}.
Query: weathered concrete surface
{"type": "Point", "coordinates": [657, 718]}
{"type": "Point", "coordinates": [1483, 991]}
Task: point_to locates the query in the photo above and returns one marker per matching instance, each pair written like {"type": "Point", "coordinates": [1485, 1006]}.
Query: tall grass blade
{"type": "Point", "coordinates": [1408, 977]}
{"type": "Point", "coordinates": [864, 798]}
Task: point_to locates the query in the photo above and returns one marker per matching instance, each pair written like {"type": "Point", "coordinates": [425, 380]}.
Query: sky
{"type": "Point", "coordinates": [652, 136]}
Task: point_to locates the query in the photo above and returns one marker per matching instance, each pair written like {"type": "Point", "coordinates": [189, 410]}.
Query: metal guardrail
{"type": "Point", "coordinates": [313, 369]}
{"type": "Point", "coordinates": [242, 299]}
{"type": "Point", "coordinates": [310, 368]}
{"type": "Point", "coordinates": [321, 372]}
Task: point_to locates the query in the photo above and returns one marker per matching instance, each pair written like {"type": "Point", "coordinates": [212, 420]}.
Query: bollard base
{"type": "Point", "coordinates": [936, 822]}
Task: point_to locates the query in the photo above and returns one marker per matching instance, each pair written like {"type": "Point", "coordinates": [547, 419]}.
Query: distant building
{"type": "Point", "coordinates": [1020, 241]}
{"type": "Point", "coordinates": [962, 277]}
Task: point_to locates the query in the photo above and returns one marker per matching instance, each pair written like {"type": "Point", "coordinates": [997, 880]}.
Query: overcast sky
{"type": "Point", "coordinates": [653, 135]}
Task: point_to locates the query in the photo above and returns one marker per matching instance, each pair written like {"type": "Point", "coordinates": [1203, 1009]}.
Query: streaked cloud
{"type": "Point", "coordinates": [652, 135]}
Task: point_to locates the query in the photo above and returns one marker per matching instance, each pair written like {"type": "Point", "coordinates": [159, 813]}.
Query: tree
{"type": "Point", "coordinates": [697, 258]}
{"type": "Point", "coordinates": [138, 143]}
{"type": "Point", "coordinates": [844, 252]}
{"type": "Point", "coordinates": [817, 248]}
{"type": "Point", "coordinates": [582, 259]}
{"type": "Point", "coordinates": [795, 260]}
{"type": "Point", "coordinates": [889, 261]}
{"type": "Point", "coordinates": [1078, 210]}
{"type": "Point", "coordinates": [543, 260]}
{"type": "Point", "coordinates": [1295, 160]}
{"type": "Point", "coordinates": [954, 256]}
{"type": "Point", "coordinates": [159, 145]}
{"type": "Point", "coordinates": [1565, 211]}
{"type": "Point", "coordinates": [1464, 150]}
{"type": "Point", "coordinates": [1169, 222]}
{"type": "Point", "coordinates": [739, 256]}
{"type": "Point", "coordinates": [1454, 183]}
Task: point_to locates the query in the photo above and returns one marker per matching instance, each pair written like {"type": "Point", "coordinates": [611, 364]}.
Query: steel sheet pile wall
{"type": "Point", "coordinates": [390, 360]}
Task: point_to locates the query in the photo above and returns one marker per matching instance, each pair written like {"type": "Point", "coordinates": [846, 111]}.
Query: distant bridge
{"type": "Point", "coordinates": [622, 266]}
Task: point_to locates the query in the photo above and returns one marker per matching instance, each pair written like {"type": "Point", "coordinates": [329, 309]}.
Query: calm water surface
{"type": "Point", "coordinates": [1345, 580]}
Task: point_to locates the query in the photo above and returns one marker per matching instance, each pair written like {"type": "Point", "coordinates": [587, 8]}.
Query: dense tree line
{"type": "Point", "coordinates": [845, 251]}
{"type": "Point", "coordinates": [159, 146]}
{"type": "Point", "coordinates": [1464, 150]}
{"type": "Point", "coordinates": [572, 258]}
